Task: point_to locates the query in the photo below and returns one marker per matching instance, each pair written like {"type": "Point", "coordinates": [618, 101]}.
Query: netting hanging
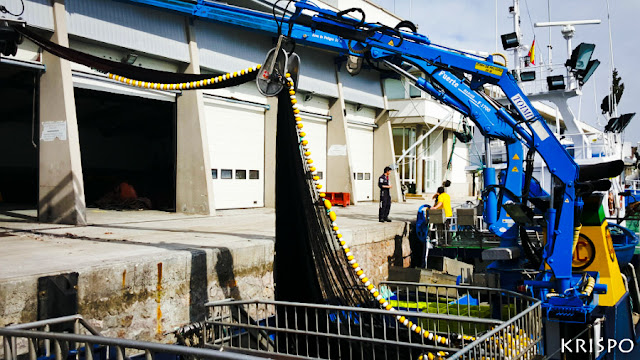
{"type": "Point", "coordinates": [308, 266]}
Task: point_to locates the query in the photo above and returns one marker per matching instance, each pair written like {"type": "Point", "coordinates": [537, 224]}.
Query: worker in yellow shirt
{"type": "Point", "coordinates": [443, 202]}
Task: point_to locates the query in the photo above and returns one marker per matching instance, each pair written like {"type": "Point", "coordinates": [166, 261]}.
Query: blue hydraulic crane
{"type": "Point", "coordinates": [453, 78]}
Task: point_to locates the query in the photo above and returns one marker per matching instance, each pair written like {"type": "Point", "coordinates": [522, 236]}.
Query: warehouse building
{"type": "Point", "coordinates": [73, 136]}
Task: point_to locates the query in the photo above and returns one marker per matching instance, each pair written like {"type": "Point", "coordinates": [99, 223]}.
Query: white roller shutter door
{"type": "Point", "coordinates": [235, 133]}
{"type": "Point", "coordinates": [314, 114]}
{"type": "Point", "coordinates": [316, 130]}
{"type": "Point", "coordinates": [360, 126]}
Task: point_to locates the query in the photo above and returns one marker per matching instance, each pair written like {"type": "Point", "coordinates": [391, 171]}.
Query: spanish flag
{"type": "Point", "coordinates": [532, 53]}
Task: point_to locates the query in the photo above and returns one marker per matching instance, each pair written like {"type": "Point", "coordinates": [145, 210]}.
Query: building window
{"type": "Point", "coordinates": [214, 173]}
{"type": "Point", "coordinates": [394, 89]}
{"type": "Point", "coordinates": [320, 175]}
{"type": "Point", "coordinates": [254, 174]}
{"type": "Point", "coordinates": [226, 174]}
{"type": "Point", "coordinates": [367, 176]}
{"type": "Point", "coordinates": [241, 174]}
{"type": "Point", "coordinates": [414, 92]}
{"type": "Point", "coordinates": [354, 176]}
{"type": "Point", "coordinates": [360, 176]}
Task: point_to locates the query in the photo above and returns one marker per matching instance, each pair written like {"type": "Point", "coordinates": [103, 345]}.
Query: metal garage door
{"type": "Point", "coordinates": [316, 129]}
{"type": "Point", "coordinates": [314, 112]}
{"type": "Point", "coordinates": [235, 133]}
{"type": "Point", "coordinates": [361, 124]}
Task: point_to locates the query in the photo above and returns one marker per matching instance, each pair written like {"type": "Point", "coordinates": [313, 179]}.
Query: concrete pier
{"type": "Point", "coordinates": [143, 273]}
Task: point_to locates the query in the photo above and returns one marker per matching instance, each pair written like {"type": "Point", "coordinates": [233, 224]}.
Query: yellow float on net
{"type": "Point", "coordinates": [332, 216]}
{"type": "Point", "coordinates": [327, 204]}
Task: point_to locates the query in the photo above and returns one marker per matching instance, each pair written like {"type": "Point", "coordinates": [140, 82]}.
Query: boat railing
{"type": "Point", "coordinates": [633, 185]}
{"type": "Point", "coordinates": [594, 145]}
{"type": "Point", "coordinates": [539, 84]}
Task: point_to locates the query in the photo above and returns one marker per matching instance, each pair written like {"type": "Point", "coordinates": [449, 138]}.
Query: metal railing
{"type": "Point", "coordinates": [452, 232]}
{"type": "Point", "coordinates": [633, 185]}
{"type": "Point", "coordinates": [502, 325]}
{"type": "Point", "coordinates": [595, 145]}
{"type": "Point", "coordinates": [587, 145]}
{"type": "Point", "coordinates": [46, 339]}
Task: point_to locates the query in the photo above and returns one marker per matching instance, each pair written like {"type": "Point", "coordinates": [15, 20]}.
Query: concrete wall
{"type": "Point", "coordinates": [140, 298]}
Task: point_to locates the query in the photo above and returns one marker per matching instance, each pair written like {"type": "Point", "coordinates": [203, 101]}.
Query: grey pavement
{"type": "Point", "coordinates": [28, 248]}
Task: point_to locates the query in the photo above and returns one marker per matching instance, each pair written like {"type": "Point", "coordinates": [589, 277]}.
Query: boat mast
{"type": "Point", "coordinates": [549, 46]}
{"type": "Point", "coordinates": [612, 102]}
{"type": "Point", "coordinates": [516, 26]}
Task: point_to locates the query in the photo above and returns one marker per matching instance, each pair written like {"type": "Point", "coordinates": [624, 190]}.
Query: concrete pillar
{"type": "Point", "coordinates": [339, 169]}
{"type": "Point", "coordinates": [194, 187]}
{"type": "Point", "coordinates": [383, 155]}
{"type": "Point", "coordinates": [419, 162]}
{"type": "Point", "coordinates": [270, 124]}
{"type": "Point", "coordinates": [61, 186]}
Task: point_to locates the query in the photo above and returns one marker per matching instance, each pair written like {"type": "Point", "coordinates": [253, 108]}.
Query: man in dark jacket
{"type": "Point", "coordinates": [385, 196]}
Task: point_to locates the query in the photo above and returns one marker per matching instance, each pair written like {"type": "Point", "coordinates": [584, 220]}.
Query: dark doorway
{"type": "Point", "coordinates": [18, 138]}
{"type": "Point", "coordinates": [127, 139]}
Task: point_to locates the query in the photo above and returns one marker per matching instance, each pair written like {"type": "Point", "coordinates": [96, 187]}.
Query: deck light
{"type": "Point", "coordinates": [583, 76]}
{"type": "Point", "coordinates": [618, 124]}
{"type": "Point", "coordinates": [527, 76]}
{"type": "Point", "coordinates": [580, 56]}
{"type": "Point", "coordinates": [555, 82]}
{"type": "Point", "coordinates": [509, 40]}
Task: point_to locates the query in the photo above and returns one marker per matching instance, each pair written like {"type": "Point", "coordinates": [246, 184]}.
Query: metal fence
{"type": "Point", "coordinates": [517, 335]}
{"type": "Point", "coordinates": [479, 323]}
{"type": "Point", "coordinates": [49, 339]}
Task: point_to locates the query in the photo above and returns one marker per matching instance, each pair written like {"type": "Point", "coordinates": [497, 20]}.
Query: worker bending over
{"type": "Point", "coordinates": [443, 201]}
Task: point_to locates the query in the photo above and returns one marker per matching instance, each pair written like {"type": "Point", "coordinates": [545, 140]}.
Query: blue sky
{"type": "Point", "coordinates": [470, 24]}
